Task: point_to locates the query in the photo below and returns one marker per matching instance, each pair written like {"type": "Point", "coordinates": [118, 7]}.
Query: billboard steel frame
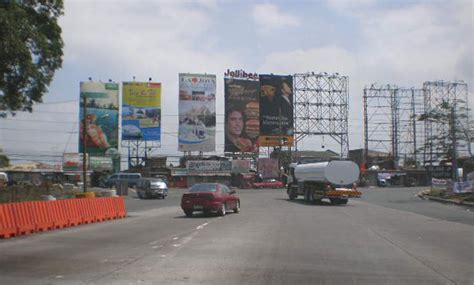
{"type": "Point", "coordinates": [321, 107]}
{"type": "Point", "coordinates": [390, 122]}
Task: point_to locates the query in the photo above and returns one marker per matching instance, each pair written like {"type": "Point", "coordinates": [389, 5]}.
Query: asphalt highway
{"type": "Point", "coordinates": [381, 238]}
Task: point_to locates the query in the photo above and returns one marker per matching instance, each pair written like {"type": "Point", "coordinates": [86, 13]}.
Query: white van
{"type": "Point", "coordinates": [131, 178]}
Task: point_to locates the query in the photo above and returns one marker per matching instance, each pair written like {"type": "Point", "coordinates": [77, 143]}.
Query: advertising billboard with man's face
{"type": "Point", "coordinates": [276, 110]}
{"type": "Point", "coordinates": [99, 128]}
{"type": "Point", "coordinates": [141, 111]}
{"type": "Point", "coordinates": [241, 115]}
{"type": "Point", "coordinates": [197, 112]}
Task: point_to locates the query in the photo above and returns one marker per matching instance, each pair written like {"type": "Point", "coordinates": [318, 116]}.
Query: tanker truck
{"type": "Point", "coordinates": [333, 180]}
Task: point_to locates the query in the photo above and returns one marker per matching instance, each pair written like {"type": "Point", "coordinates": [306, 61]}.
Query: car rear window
{"type": "Point", "coordinates": [204, 188]}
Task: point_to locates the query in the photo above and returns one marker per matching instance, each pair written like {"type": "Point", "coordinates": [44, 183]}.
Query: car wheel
{"type": "Point", "coordinates": [222, 211]}
{"type": "Point", "coordinates": [139, 196]}
{"type": "Point", "coordinates": [237, 207]}
{"type": "Point", "coordinates": [188, 213]}
{"type": "Point", "coordinates": [339, 201]}
{"type": "Point", "coordinates": [343, 201]}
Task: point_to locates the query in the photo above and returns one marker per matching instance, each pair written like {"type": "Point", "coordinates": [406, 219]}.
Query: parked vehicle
{"type": "Point", "coordinates": [334, 180]}
{"type": "Point", "coordinates": [3, 180]}
{"type": "Point", "coordinates": [131, 178]}
{"type": "Point", "coordinates": [269, 183]}
{"type": "Point", "coordinates": [152, 188]}
{"type": "Point", "coordinates": [210, 197]}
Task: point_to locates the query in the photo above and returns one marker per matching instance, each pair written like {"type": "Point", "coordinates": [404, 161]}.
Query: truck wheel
{"type": "Point", "coordinates": [311, 196]}
{"type": "Point", "coordinates": [306, 195]}
{"type": "Point", "coordinates": [189, 213]}
{"type": "Point", "coordinates": [315, 198]}
{"type": "Point", "coordinates": [291, 194]}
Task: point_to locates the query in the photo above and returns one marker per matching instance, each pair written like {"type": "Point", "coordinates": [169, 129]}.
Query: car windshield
{"type": "Point", "coordinates": [157, 182]}
{"type": "Point", "coordinates": [204, 188]}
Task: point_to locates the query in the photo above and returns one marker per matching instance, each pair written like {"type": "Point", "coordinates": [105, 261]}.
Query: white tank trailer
{"type": "Point", "coordinates": [334, 180]}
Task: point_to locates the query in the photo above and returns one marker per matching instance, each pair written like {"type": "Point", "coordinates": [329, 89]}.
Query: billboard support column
{"type": "Point", "coordinates": [84, 148]}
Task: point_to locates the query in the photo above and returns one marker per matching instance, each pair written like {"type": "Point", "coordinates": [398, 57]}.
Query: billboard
{"type": "Point", "coordinates": [240, 166]}
{"type": "Point", "coordinates": [197, 167]}
{"type": "Point", "coordinates": [101, 134]}
{"type": "Point", "coordinates": [276, 110]}
{"type": "Point", "coordinates": [72, 161]}
{"type": "Point", "coordinates": [141, 111]}
{"type": "Point", "coordinates": [197, 112]}
{"type": "Point", "coordinates": [242, 119]}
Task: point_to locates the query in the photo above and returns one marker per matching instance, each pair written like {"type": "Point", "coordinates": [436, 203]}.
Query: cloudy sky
{"type": "Point", "coordinates": [388, 42]}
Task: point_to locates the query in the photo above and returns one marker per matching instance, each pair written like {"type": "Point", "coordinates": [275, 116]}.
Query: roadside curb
{"type": "Point", "coordinates": [460, 203]}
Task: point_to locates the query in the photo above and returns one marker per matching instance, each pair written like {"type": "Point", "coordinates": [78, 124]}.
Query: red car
{"type": "Point", "coordinates": [272, 183]}
{"type": "Point", "coordinates": [210, 197]}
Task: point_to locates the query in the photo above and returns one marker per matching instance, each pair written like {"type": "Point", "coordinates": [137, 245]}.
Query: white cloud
{"type": "Point", "coordinates": [325, 59]}
{"type": "Point", "coordinates": [350, 7]}
{"type": "Point", "coordinates": [269, 17]}
{"type": "Point", "coordinates": [418, 43]}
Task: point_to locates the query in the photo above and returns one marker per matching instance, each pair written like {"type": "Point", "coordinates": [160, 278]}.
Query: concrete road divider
{"type": "Point", "coordinates": [38, 216]}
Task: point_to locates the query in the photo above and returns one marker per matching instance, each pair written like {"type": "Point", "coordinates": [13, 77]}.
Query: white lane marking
{"type": "Point", "coordinates": [201, 226]}
{"type": "Point", "coordinates": [156, 246]}
{"type": "Point", "coordinates": [176, 245]}
{"type": "Point", "coordinates": [163, 255]}
{"type": "Point", "coordinates": [104, 260]}
{"type": "Point", "coordinates": [154, 242]}
{"type": "Point", "coordinates": [59, 276]}
{"type": "Point", "coordinates": [175, 238]}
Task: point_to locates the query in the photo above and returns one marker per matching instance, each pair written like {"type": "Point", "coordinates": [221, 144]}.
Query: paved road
{"type": "Point", "coordinates": [272, 241]}
{"type": "Point", "coordinates": [405, 199]}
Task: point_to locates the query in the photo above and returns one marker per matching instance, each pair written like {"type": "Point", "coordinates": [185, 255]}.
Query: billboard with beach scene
{"type": "Point", "coordinates": [101, 120]}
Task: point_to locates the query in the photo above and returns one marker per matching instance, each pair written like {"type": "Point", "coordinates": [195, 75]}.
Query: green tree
{"type": "Point", "coordinates": [30, 51]}
{"type": "Point", "coordinates": [446, 141]}
{"type": "Point", "coordinates": [4, 161]}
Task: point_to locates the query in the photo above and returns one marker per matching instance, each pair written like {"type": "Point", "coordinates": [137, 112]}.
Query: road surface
{"type": "Point", "coordinates": [386, 237]}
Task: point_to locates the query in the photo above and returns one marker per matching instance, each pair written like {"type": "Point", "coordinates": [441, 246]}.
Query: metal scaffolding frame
{"type": "Point", "coordinates": [139, 151]}
{"type": "Point", "coordinates": [321, 107]}
{"type": "Point", "coordinates": [390, 122]}
{"type": "Point", "coordinates": [455, 94]}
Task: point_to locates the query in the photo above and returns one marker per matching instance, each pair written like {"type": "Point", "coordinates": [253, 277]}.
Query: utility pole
{"type": "Point", "coordinates": [84, 145]}
{"type": "Point", "coordinates": [453, 134]}
{"type": "Point", "coordinates": [279, 142]}
{"type": "Point", "coordinates": [413, 112]}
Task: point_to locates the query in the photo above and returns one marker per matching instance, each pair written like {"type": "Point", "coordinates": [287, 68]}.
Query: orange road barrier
{"type": "Point", "coordinates": [59, 213]}
{"type": "Point", "coordinates": [24, 218]}
{"type": "Point", "coordinates": [7, 221]}
{"type": "Point", "coordinates": [39, 216]}
{"type": "Point", "coordinates": [120, 207]}
{"type": "Point", "coordinates": [73, 213]}
{"type": "Point", "coordinates": [86, 210]}
{"type": "Point", "coordinates": [42, 216]}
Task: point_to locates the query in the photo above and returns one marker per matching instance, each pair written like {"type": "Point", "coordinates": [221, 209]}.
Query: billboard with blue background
{"type": "Point", "coordinates": [141, 111]}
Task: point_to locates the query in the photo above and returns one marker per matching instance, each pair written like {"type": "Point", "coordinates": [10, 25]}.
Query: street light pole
{"type": "Point", "coordinates": [84, 145]}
